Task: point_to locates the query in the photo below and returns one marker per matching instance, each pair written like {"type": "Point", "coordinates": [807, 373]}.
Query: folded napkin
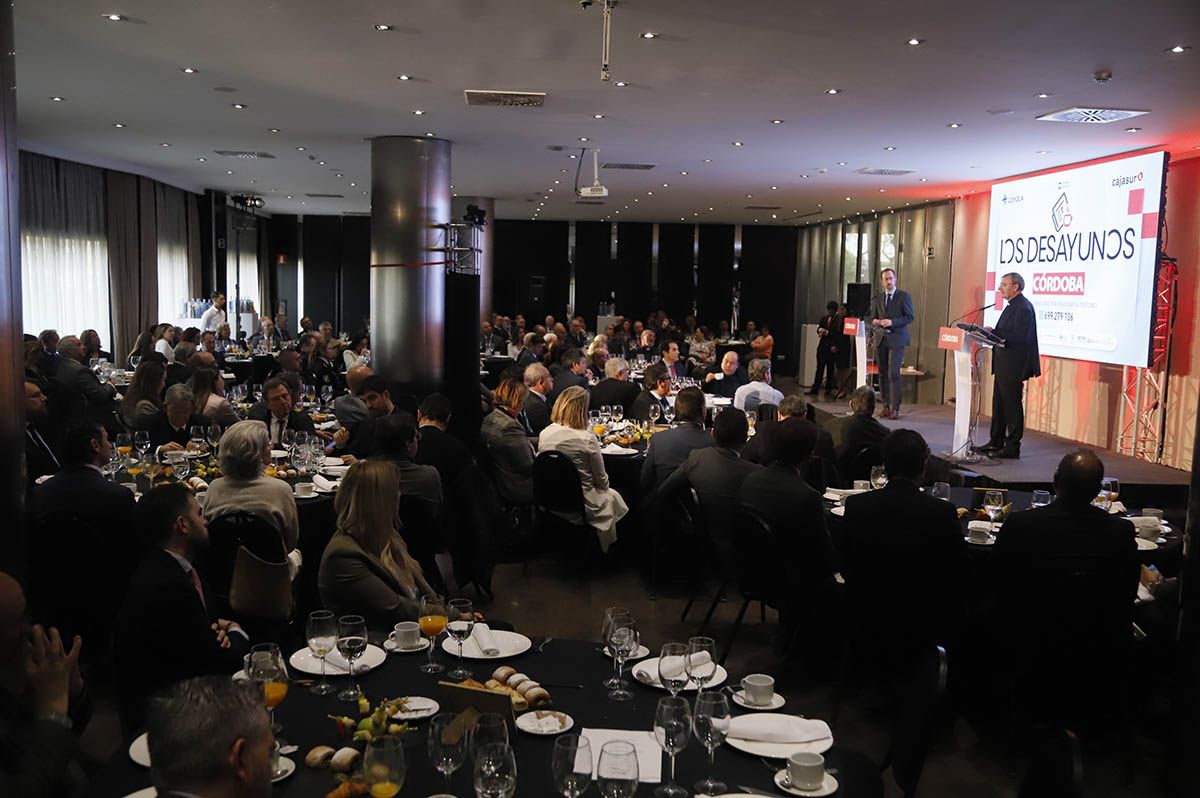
{"type": "Point", "coordinates": [837, 494]}
{"type": "Point", "coordinates": [324, 484]}
{"type": "Point", "coordinates": [983, 527]}
{"type": "Point", "coordinates": [612, 448]}
{"type": "Point", "coordinates": [326, 425]}
{"type": "Point", "coordinates": [672, 667]}
{"type": "Point", "coordinates": [771, 728]}
{"type": "Point", "coordinates": [1141, 522]}
{"type": "Point", "coordinates": [485, 640]}
{"type": "Point", "coordinates": [228, 375]}
{"type": "Point", "coordinates": [333, 461]}
{"type": "Point", "coordinates": [1117, 507]}
{"type": "Point", "coordinates": [1143, 594]}
{"type": "Point", "coordinates": [338, 471]}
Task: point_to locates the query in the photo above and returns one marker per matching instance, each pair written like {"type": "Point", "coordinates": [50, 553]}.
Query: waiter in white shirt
{"type": "Point", "coordinates": [214, 317]}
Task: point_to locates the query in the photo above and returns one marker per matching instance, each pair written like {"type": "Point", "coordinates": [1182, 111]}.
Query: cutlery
{"type": "Point", "coordinates": [753, 790]}
{"type": "Point", "coordinates": [543, 644]}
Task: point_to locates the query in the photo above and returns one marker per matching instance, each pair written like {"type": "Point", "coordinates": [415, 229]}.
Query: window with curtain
{"type": "Point", "coordinates": [64, 249]}
{"type": "Point", "coordinates": [171, 212]}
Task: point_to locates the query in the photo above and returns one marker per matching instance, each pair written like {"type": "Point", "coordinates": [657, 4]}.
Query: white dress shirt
{"type": "Point", "coordinates": [212, 319]}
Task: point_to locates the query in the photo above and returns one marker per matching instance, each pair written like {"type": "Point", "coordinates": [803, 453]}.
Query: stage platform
{"type": "Point", "coordinates": [1142, 483]}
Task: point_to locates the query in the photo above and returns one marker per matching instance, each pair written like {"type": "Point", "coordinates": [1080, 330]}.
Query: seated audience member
{"type": "Point", "coordinates": [323, 366]}
{"type": "Point", "coordinates": [536, 407]}
{"type": "Point", "coordinates": [792, 406]}
{"type": "Point", "coordinates": [568, 433]}
{"type": "Point", "coordinates": [571, 369]}
{"type": "Point", "coordinates": [208, 342]}
{"type": "Point", "coordinates": [210, 736]}
{"type": "Point", "coordinates": [489, 341]}
{"type": "Point", "coordinates": [577, 337]}
{"type": "Point", "coordinates": [288, 362]}
{"type": "Point", "coordinates": [436, 447]}
{"type": "Point", "coordinates": [143, 397]}
{"type": "Point", "coordinates": [77, 390]}
{"type": "Point", "coordinates": [243, 454]}
{"type": "Point", "coordinates": [41, 458]}
{"type": "Point", "coordinates": [616, 387]}
{"type": "Point", "coordinates": [91, 346]}
{"type": "Point", "coordinates": [43, 705]}
{"type": "Point", "coordinates": [171, 429]}
{"type": "Point", "coordinates": [509, 451]}
{"type": "Point", "coordinates": [656, 387]}
{"type": "Point", "coordinates": [532, 351]}
{"type": "Point", "coordinates": [33, 373]}
{"type": "Point", "coordinates": [646, 347]}
{"type": "Point", "coordinates": [723, 333]}
{"type": "Point", "coordinates": [48, 363]}
{"type": "Point", "coordinates": [1067, 575]}
{"type": "Point", "coordinates": [276, 411]}
{"type": "Point", "coordinates": [724, 380]}
{"type": "Point", "coordinates": [224, 337]}
{"type": "Point", "coordinates": [670, 448]}
{"type": "Point", "coordinates": [167, 608]}
{"type": "Point", "coordinates": [596, 359]}
{"type": "Point", "coordinates": [267, 338]}
{"type": "Point", "coordinates": [397, 441]}
{"type": "Point", "coordinates": [208, 389]}
{"type": "Point", "coordinates": [859, 429]}
{"type": "Point", "coordinates": [747, 397]}
{"type": "Point", "coordinates": [676, 367]}
{"type": "Point", "coordinates": [716, 473]}
{"type": "Point", "coordinates": [202, 360]}
{"type": "Point", "coordinates": [360, 443]}
{"type": "Point", "coordinates": [359, 352]}
{"type": "Point", "coordinates": [366, 568]}
{"type": "Point", "coordinates": [325, 329]}
{"type": "Point", "coordinates": [751, 332]}
{"type": "Point", "coordinates": [763, 344]}
{"type": "Point", "coordinates": [281, 327]}
{"type": "Point", "coordinates": [164, 339]}
{"type": "Point", "coordinates": [178, 370]}
{"type": "Point", "coordinates": [306, 345]}
{"type": "Point", "coordinates": [903, 558]}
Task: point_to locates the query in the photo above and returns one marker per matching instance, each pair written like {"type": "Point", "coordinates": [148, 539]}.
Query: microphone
{"type": "Point", "coordinates": [969, 313]}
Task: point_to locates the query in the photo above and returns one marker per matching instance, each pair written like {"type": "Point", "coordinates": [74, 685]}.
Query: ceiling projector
{"type": "Point", "coordinates": [595, 190]}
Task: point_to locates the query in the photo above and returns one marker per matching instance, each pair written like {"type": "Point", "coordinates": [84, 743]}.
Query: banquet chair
{"type": "Point", "coordinates": [679, 524]}
{"type": "Point", "coordinates": [558, 495]}
{"type": "Point", "coordinates": [858, 465]}
{"type": "Point", "coordinates": [916, 716]}
{"type": "Point", "coordinates": [227, 534]}
{"type": "Point", "coordinates": [513, 528]}
{"type": "Point", "coordinates": [761, 573]}
{"type": "Point", "coordinates": [1056, 770]}
{"type": "Point", "coordinates": [766, 411]}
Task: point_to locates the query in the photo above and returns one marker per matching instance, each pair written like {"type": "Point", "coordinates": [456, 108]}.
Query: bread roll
{"type": "Point", "coordinates": [319, 757]}
{"type": "Point", "coordinates": [537, 697]}
{"type": "Point", "coordinates": [515, 680]}
{"type": "Point", "coordinates": [524, 687]}
{"type": "Point", "coordinates": [503, 672]}
{"type": "Point", "coordinates": [344, 760]}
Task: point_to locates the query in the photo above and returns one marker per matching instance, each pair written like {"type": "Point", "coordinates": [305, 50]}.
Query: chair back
{"type": "Point", "coordinates": [260, 590]}
{"type": "Point", "coordinates": [556, 485]}
{"type": "Point", "coordinates": [226, 534]}
{"type": "Point", "coordinates": [859, 464]}
{"type": "Point", "coordinates": [766, 411]}
{"type": "Point", "coordinates": [762, 575]}
{"type": "Point", "coordinates": [920, 702]}
{"type": "Point", "coordinates": [1056, 770]}
{"type": "Point", "coordinates": [821, 473]}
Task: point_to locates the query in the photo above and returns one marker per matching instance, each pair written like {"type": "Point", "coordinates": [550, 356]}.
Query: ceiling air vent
{"type": "Point", "coordinates": [637, 167]}
{"type": "Point", "coordinates": [555, 147]}
{"type": "Point", "coordinates": [763, 207]}
{"type": "Point", "coordinates": [1091, 116]}
{"type": "Point", "coordinates": [589, 202]}
{"type": "Point", "coordinates": [871, 170]}
{"type": "Point", "coordinates": [243, 154]}
{"type": "Point", "coordinates": [326, 196]}
{"type": "Point", "coordinates": [505, 99]}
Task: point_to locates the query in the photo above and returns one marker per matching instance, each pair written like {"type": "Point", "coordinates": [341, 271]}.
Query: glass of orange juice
{"type": "Point", "coordinates": [124, 444]}
{"type": "Point", "coordinates": [268, 671]}
{"type": "Point", "coordinates": [433, 621]}
{"type": "Point", "coordinates": [384, 767]}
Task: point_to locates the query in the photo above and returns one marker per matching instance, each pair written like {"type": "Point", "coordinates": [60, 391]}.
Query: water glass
{"type": "Point", "coordinates": [351, 643]}
{"type": "Point", "coordinates": [618, 413]}
{"type": "Point", "coordinates": [489, 728]}
{"type": "Point", "coordinates": [613, 615]}
{"type": "Point", "coordinates": [1040, 498]}
{"type": "Point", "coordinates": [495, 771]}
{"type": "Point", "coordinates": [214, 435]}
{"type": "Point", "coordinates": [384, 767]}
{"type": "Point", "coordinates": [623, 642]}
{"type": "Point", "coordinates": [879, 477]}
{"type": "Point", "coordinates": [672, 728]}
{"type": "Point", "coordinates": [940, 490]}
{"type": "Point", "coordinates": [447, 751]}
{"type": "Point", "coordinates": [321, 634]}
{"type": "Point", "coordinates": [993, 503]}
{"type": "Point", "coordinates": [460, 627]}
{"type": "Point", "coordinates": [669, 414]}
{"type": "Point", "coordinates": [701, 670]}
{"type": "Point", "coordinates": [617, 769]}
{"type": "Point", "coordinates": [1113, 486]}
{"type": "Point", "coordinates": [197, 438]}
{"type": "Point", "coordinates": [655, 412]}
{"type": "Point", "coordinates": [675, 678]}
{"type": "Point", "coordinates": [571, 765]}
{"type": "Point", "coordinates": [710, 723]}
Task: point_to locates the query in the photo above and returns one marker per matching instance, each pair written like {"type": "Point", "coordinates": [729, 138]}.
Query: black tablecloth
{"type": "Point", "coordinates": [305, 724]}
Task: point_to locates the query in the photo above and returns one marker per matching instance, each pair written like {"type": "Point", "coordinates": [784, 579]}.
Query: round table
{"type": "Point", "coordinates": [562, 662]}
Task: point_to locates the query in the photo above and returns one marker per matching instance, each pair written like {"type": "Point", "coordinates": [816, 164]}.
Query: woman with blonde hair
{"type": "Point", "coordinates": [366, 568]}
{"type": "Point", "coordinates": [568, 433]}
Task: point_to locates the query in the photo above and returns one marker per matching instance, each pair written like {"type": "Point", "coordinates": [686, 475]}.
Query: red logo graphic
{"type": "Point", "coordinates": [950, 338]}
{"type": "Point", "coordinates": [1059, 283]}
{"type": "Point", "coordinates": [850, 326]}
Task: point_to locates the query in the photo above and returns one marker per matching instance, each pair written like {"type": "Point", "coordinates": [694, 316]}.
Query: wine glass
{"type": "Point", "coordinates": [268, 672]}
{"type": "Point", "coordinates": [447, 749]}
{"type": "Point", "coordinates": [124, 444]}
{"type": "Point", "coordinates": [310, 393]}
{"type": "Point", "coordinates": [135, 361]}
{"type": "Point", "coordinates": [700, 663]}
{"type": "Point", "coordinates": [879, 477]}
{"type": "Point", "coordinates": [432, 620]}
{"type": "Point", "coordinates": [384, 767]}
{"type": "Point", "coordinates": [571, 765]}
{"type": "Point", "coordinates": [322, 634]}
{"type": "Point", "coordinates": [1040, 498]}
{"type": "Point", "coordinates": [672, 667]}
{"type": "Point", "coordinates": [618, 413]}
{"type": "Point", "coordinates": [489, 728]}
{"type": "Point", "coordinates": [351, 643]}
{"type": "Point", "coordinates": [326, 394]}
{"type": "Point", "coordinates": [1113, 486]}
{"type": "Point", "coordinates": [710, 723]}
{"type": "Point", "coordinates": [669, 414]}
{"type": "Point", "coordinates": [672, 728]}
{"type": "Point", "coordinates": [141, 442]}
{"type": "Point", "coordinates": [940, 490]}
{"type": "Point", "coordinates": [623, 641]}
{"type": "Point", "coordinates": [460, 629]}
{"type": "Point", "coordinates": [495, 771]}
{"type": "Point", "coordinates": [613, 616]}
{"type": "Point", "coordinates": [993, 503]}
{"type": "Point", "coordinates": [214, 436]}
{"type": "Point", "coordinates": [617, 769]}
{"type": "Point", "coordinates": [181, 467]}
{"type": "Point", "coordinates": [655, 412]}
{"type": "Point", "coordinates": [287, 439]}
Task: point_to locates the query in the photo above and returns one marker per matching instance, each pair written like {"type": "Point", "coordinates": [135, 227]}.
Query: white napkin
{"type": "Point", "coordinates": [981, 526]}
{"type": "Point", "coordinates": [838, 494]}
{"type": "Point", "coordinates": [1117, 507]}
{"type": "Point", "coordinates": [228, 375]}
{"type": "Point", "coordinates": [671, 667]}
{"type": "Point", "coordinates": [324, 484]}
{"type": "Point", "coordinates": [612, 448]}
{"type": "Point", "coordinates": [649, 755]}
{"type": "Point", "coordinates": [771, 728]}
{"type": "Point", "coordinates": [1143, 594]}
{"type": "Point", "coordinates": [485, 640]}
{"type": "Point", "coordinates": [326, 425]}
{"type": "Point", "coordinates": [333, 461]}
{"type": "Point", "coordinates": [335, 471]}
{"type": "Point", "coordinates": [1141, 522]}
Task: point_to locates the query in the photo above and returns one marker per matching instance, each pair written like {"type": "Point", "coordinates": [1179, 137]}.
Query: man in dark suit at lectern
{"type": "Point", "coordinates": [1012, 364]}
{"type": "Point", "coordinates": [891, 313]}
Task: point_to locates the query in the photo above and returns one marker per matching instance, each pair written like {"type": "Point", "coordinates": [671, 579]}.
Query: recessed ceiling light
{"type": "Point", "coordinates": [354, 185]}
{"type": "Point", "coordinates": [240, 106]}
{"type": "Point", "coordinates": [113, 17]}
{"type": "Point", "coordinates": [202, 159]}
{"type": "Point", "coordinates": [833, 91]}
{"type": "Point", "coordinates": [804, 175]}
{"type": "Point", "coordinates": [749, 196]}
{"type": "Point", "coordinates": [847, 199]}
{"type": "Point", "coordinates": [320, 163]}
{"type": "Point", "coordinates": [650, 193]}
{"type": "Point", "coordinates": [924, 180]}
{"type": "Point", "coordinates": [300, 149]}
{"type": "Point", "coordinates": [635, 199]}
{"type": "Point", "coordinates": [954, 125]}
{"type": "Point", "coordinates": [272, 130]}
{"type": "Point", "coordinates": [665, 185]}
{"type": "Point", "coordinates": [118, 124]}
{"type": "Point", "coordinates": [364, 193]}
{"type": "Point", "coordinates": [381, 26]}
{"type": "Point", "coordinates": [564, 171]}
{"type": "Point", "coordinates": [620, 84]}
{"type": "Point", "coordinates": [228, 171]}
{"type": "Point", "coordinates": [708, 160]}
{"type": "Point", "coordinates": [819, 205]}
{"type": "Point", "coordinates": [57, 99]}
{"type": "Point", "coordinates": [649, 35]}
{"type": "Point", "coordinates": [890, 149]}
{"type": "Point", "coordinates": [841, 163]}
{"type": "Point", "coordinates": [429, 135]}
{"type": "Point", "coordinates": [1042, 95]}
{"type": "Point", "coordinates": [773, 216]}
{"type": "Point", "coordinates": [737, 143]}
{"type": "Point", "coordinates": [289, 196]}
{"type": "Point", "coordinates": [164, 144]}
{"type": "Point", "coordinates": [597, 116]}
{"type": "Point", "coordinates": [710, 209]}
{"type": "Point", "coordinates": [303, 202]}
{"type": "Point", "coordinates": [418, 112]}
{"type": "Point", "coordinates": [339, 175]}
{"type": "Point", "coordinates": [776, 121]}
{"type": "Point", "coordinates": [1043, 152]}
{"type": "Point", "coordinates": [1133, 130]}
{"type": "Point", "coordinates": [550, 189]}
{"type": "Point", "coordinates": [914, 41]}
{"type": "Point", "coordinates": [556, 182]}
{"type": "Point", "coordinates": [404, 77]}
{"type": "Point", "coordinates": [882, 190]}
{"type": "Point", "coordinates": [583, 138]}
{"type": "Point", "coordinates": [252, 182]}
{"type": "Point", "coordinates": [188, 70]}
{"type": "Point", "coordinates": [1180, 48]}
{"type": "Point", "coordinates": [572, 156]}
{"type": "Point", "coordinates": [774, 188]}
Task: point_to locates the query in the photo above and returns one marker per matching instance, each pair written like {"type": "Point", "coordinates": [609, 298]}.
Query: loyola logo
{"type": "Point", "coordinates": [1061, 214]}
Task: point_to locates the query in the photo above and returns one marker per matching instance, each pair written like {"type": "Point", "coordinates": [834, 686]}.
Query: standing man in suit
{"type": "Point", "coordinates": [535, 408]}
{"type": "Point", "coordinates": [276, 411]}
{"type": "Point", "coordinates": [827, 347]}
{"type": "Point", "coordinates": [891, 313]}
{"type": "Point", "coordinates": [1016, 362]}
{"type": "Point", "coordinates": [670, 448]}
{"type": "Point", "coordinates": [40, 457]}
{"type": "Point", "coordinates": [615, 388]}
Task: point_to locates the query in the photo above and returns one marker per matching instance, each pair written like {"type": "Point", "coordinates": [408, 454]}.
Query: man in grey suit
{"type": "Point", "coordinates": [80, 393]}
{"type": "Point", "coordinates": [670, 448]}
{"type": "Point", "coordinates": [891, 313]}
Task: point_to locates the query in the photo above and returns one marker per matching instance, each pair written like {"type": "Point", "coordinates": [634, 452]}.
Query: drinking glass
{"type": "Point", "coordinates": [287, 439]}
{"type": "Point", "coordinates": [655, 412]}
{"type": "Point", "coordinates": [701, 670]}
{"type": "Point", "coordinates": [1103, 500]}
{"type": "Point", "coordinates": [669, 414]}
{"type": "Point", "coordinates": [672, 727]}
{"type": "Point", "coordinates": [351, 643]}
{"type": "Point", "coordinates": [1113, 486]}
{"type": "Point", "coordinates": [1040, 498]}
{"type": "Point", "coordinates": [460, 629]}
{"type": "Point", "coordinates": [214, 436]}
{"type": "Point", "coordinates": [181, 467]}
{"type": "Point", "coordinates": [571, 765]}
{"type": "Point", "coordinates": [447, 751]}
{"type": "Point", "coordinates": [197, 438]}
{"type": "Point", "coordinates": [326, 394]}
{"type": "Point", "coordinates": [141, 442]}
{"type": "Point", "coordinates": [940, 490]}
{"type": "Point", "coordinates": [124, 444]}
{"type": "Point", "coordinates": [258, 391]}
{"type": "Point", "coordinates": [993, 503]}
{"type": "Point", "coordinates": [135, 361]}
{"type": "Point", "coordinates": [618, 413]}
{"type": "Point", "coordinates": [310, 393]}
{"type": "Point", "coordinates": [613, 616]}
{"type": "Point", "coordinates": [751, 425]}
{"type": "Point", "coordinates": [321, 634]}
{"type": "Point", "coordinates": [710, 723]}
{"type": "Point", "coordinates": [432, 620]}
{"type": "Point", "coordinates": [593, 418]}
{"type": "Point", "coordinates": [384, 767]}
{"type": "Point", "coordinates": [495, 773]}
{"type": "Point", "coordinates": [269, 673]}
{"type": "Point", "coordinates": [623, 641]}
{"type": "Point", "coordinates": [489, 728]}
{"type": "Point", "coordinates": [674, 682]}
{"type": "Point", "coordinates": [617, 769]}
{"type": "Point", "coordinates": [878, 477]}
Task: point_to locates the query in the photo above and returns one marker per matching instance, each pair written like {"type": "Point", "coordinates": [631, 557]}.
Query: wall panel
{"type": "Point", "coordinates": [354, 278]}
{"type": "Point", "coordinates": [767, 275]}
{"type": "Point", "coordinates": [529, 253]}
{"type": "Point", "coordinates": [676, 287]}
{"type": "Point", "coordinates": [715, 287]}
{"type": "Point", "coordinates": [632, 282]}
{"type": "Point", "coordinates": [593, 268]}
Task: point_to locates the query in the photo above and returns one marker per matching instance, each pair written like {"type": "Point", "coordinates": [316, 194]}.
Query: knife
{"type": "Point", "coordinates": [754, 790]}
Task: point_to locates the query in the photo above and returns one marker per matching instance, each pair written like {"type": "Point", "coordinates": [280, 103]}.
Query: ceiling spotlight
{"type": "Point", "coordinates": [418, 112]}
{"type": "Point", "coordinates": [804, 175]}
{"type": "Point", "coordinates": [1180, 48]}
{"type": "Point", "coordinates": [774, 188]}
{"type": "Point", "coordinates": [1133, 130]}
{"type": "Point", "coordinates": [597, 116]}
{"type": "Point", "coordinates": [954, 125]}
{"type": "Point", "coordinates": [383, 27]}
{"type": "Point", "coordinates": [202, 159]}
{"type": "Point", "coordinates": [228, 171]}
{"type": "Point", "coordinates": [847, 199]}
{"type": "Point", "coordinates": [889, 149]}
{"type": "Point", "coordinates": [649, 35]}
{"type": "Point", "coordinates": [914, 42]}
{"type": "Point", "coordinates": [56, 99]}
{"type": "Point", "coordinates": [683, 173]}
{"type": "Point", "coordinates": [339, 175]}
{"type": "Point", "coordinates": [882, 190]}
{"type": "Point", "coordinates": [583, 138]}
{"type": "Point", "coordinates": [353, 185]}
{"type": "Point", "coordinates": [923, 180]}
{"type": "Point", "coordinates": [749, 196]}
{"type": "Point", "coordinates": [1042, 95]}
{"type": "Point", "coordinates": [240, 106]}
{"type": "Point", "coordinates": [188, 70]}
{"type": "Point", "coordinates": [564, 171]}
{"type": "Point", "coordinates": [708, 160]}
{"type": "Point", "coordinates": [737, 143]}
{"type": "Point", "coordinates": [1043, 152]}
{"type": "Point", "coordinates": [710, 209]}
{"type": "Point", "coordinates": [429, 135]}
{"type": "Point", "coordinates": [164, 144]}
{"type": "Point", "coordinates": [572, 156]}
{"type": "Point", "coordinates": [289, 196]}
{"type": "Point", "coordinates": [118, 124]}
{"type": "Point", "coordinates": [320, 163]}
{"type": "Point", "coordinates": [364, 193]}
{"type": "Point", "coordinates": [404, 77]}
{"type": "Point", "coordinates": [272, 130]}
{"type": "Point", "coordinates": [620, 84]}
{"type": "Point", "coordinates": [776, 121]}
{"type": "Point", "coordinates": [833, 91]}
{"type": "Point", "coordinates": [841, 163]}
{"type": "Point", "coordinates": [649, 193]}
{"type": "Point", "coordinates": [113, 17]}
{"type": "Point", "coordinates": [299, 149]}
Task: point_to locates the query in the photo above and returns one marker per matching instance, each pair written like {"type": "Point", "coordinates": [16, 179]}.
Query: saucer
{"type": "Point", "coordinates": [389, 645]}
{"type": "Point", "coordinates": [739, 698]}
{"type": "Point", "coordinates": [287, 767]}
{"type": "Point", "coordinates": [991, 541]}
{"type": "Point", "coordinates": [828, 786]}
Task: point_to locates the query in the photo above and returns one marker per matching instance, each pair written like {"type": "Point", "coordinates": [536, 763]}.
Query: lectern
{"type": "Point", "coordinates": [965, 341]}
{"type": "Point", "coordinates": [855, 327]}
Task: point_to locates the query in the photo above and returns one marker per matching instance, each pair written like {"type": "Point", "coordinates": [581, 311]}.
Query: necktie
{"type": "Point", "coordinates": [199, 590]}
{"type": "Point", "coordinates": [889, 297]}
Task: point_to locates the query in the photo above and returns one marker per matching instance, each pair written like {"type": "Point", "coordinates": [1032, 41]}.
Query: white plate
{"type": "Point", "coordinates": [528, 722]}
{"type": "Point", "coordinates": [418, 707]}
{"type": "Point", "coordinates": [390, 646]}
{"type": "Point", "coordinates": [333, 461]}
{"type": "Point", "coordinates": [641, 653]}
{"type": "Point", "coordinates": [828, 786]}
{"type": "Point", "coordinates": [511, 644]}
{"type": "Point", "coordinates": [839, 511]}
{"type": "Point", "coordinates": [991, 541]}
{"type": "Point", "coordinates": [777, 701]}
{"type": "Point", "coordinates": [149, 792]}
{"type": "Point", "coordinates": [286, 768]}
{"type": "Point", "coordinates": [646, 672]}
{"type": "Point", "coordinates": [278, 453]}
{"type": "Point", "coordinates": [139, 751]}
{"type": "Point", "coordinates": [780, 750]}
{"type": "Point", "coordinates": [1145, 545]}
{"type": "Point", "coordinates": [304, 661]}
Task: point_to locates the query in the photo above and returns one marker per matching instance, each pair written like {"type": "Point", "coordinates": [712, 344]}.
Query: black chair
{"type": "Point", "coordinates": [472, 546]}
{"type": "Point", "coordinates": [761, 573]}
{"type": "Point", "coordinates": [1056, 770]}
{"type": "Point", "coordinates": [420, 527]}
{"type": "Point", "coordinates": [821, 473]}
{"type": "Point", "coordinates": [558, 496]}
{"type": "Point", "coordinates": [678, 524]}
{"type": "Point", "coordinates": [226, 534]}
{"type": "Point", "coordinates": [513, 528]}
{"type": "Point", "coordinates": [858, 464]}
{"type": "Point", "coordinates": [766, 411]}
{"type": "Point", "coordinates": [916, 716]}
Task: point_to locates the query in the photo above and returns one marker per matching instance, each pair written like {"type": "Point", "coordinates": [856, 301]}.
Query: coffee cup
{"type": "Point", "coordinates": [758, 689]}
{"type": "Point", "coordinates": [862, 484]}
{"type": "Point", "coordinates": [305, 489]}
{"type": "Point", "coordinates": [406, 634]}
{"type": "Point", "coordinates": [806, 771]}
{"type": "Point", "coordinates": [1153, 512]}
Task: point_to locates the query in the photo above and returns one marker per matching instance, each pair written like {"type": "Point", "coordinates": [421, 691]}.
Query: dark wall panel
{"type": "Point", "coordinates": [715, 289]}
{"type": "Point", "coordinates": [676, 288]}
{"type": "Point", "coordinates": [632, 275]}
{"type": "Point", "coordinates": [526, 253]}
{"type": "Point", "coordinates": [322, 261]}
{"type": "Point", "coordinates": [355, 294]}
{"type": "Point", "coordinates": [283, 241]}
{"type": "Point", "coordinates": [593, 268]}
{"type": "Point", "coordinates": [767, 275]}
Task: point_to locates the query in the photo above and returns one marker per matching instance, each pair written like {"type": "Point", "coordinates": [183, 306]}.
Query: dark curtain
{"type": "Point", "coordinates": [322, 259]}
{"type": "Point", "coordinates": [593, 268]}
{"type": "Point", "coordinates": [715, 289]}
{"type": "Point", "coordinates": [632, 274]}
{"type": "Point", "coordinates": [355, 277]}
{"type": "Point", "coordinates": [530, 271]}
{"type": "Point", "coordinates": [676, 289]}
{"type": "Point", "coordinates": [132, 271]}
{"type": "Point", "coordinates": [767, 275]}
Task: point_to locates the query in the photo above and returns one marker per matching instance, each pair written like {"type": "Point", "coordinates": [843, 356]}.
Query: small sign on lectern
{"type": "Point", "coordinates": [951, 338]}
{"type": "Point", "coordinates": [850, 325]}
